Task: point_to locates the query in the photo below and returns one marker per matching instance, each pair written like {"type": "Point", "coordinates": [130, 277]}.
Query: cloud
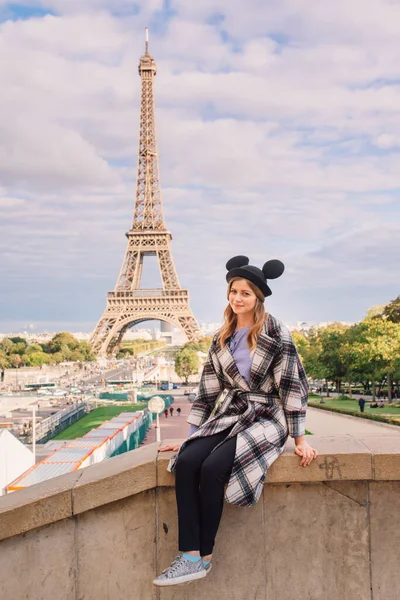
{"type": "Point", "coordinates": [387, 140]}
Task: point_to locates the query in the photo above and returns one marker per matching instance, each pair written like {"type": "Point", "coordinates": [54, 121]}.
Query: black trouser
{"type": "Point", "coordinates": [200, 479]}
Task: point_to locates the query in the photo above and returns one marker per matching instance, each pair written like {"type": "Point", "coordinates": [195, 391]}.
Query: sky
{"type": "Point", "coordinates": [278, 126]}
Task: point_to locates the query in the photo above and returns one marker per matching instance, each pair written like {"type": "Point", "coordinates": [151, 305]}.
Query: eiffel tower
{"type": "Point", "coordinates": [128, 304]}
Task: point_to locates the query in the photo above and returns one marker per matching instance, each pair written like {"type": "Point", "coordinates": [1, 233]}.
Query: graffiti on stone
{"type": "Point", "coordinates": [332, 468]}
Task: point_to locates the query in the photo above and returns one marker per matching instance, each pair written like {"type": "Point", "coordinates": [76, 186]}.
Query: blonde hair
{"type": "Point", "coordinates": [260, 316]}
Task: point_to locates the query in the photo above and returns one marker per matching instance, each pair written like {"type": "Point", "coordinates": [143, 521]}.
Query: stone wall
{"type": "Point", "coordinates": [325, 532]}
{"type": "Point", "coordinates": [24, 375]}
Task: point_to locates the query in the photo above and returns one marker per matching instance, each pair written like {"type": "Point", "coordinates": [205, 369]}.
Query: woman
{"type": "Point", "coordinates": [253, 394]}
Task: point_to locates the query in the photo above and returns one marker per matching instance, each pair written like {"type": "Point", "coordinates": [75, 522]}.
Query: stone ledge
{"type": "Point", "coordinates": [385, 455]}
{"type": "Point", "coordinates": [341, 458]}
{"type": "Point", "coordinates": [37, 505]}
{"type": "Point", "coordinates": [116, 478]}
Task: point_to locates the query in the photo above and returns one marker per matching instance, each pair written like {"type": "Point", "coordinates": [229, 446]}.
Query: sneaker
{"type": "Point", "coordinates": [181, 571]}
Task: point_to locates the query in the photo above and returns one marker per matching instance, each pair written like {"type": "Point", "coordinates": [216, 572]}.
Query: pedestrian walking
{"type": "Point", "coordinates": [253, 394]}
{"type": "Point", "coordinates": [361, 404]}
{"type": "Point", "coordinates": [178, 411]}
{"type": "Point", "coordinates": [166, 413]}
{"type": "Point", "coordinates": [171, 410]}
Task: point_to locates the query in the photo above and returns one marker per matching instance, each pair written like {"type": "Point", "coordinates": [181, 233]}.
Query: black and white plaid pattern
{"type": "Point", "coordinates": [262, 413]}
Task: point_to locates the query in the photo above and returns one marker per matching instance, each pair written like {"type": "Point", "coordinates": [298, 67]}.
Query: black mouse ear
{"type": "Point", "coordinates": [236, 262]}
{"type": "Point", "coordinates": [273, 269]}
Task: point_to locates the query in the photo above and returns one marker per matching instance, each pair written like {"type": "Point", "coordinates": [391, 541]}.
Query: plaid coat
{"type": "Point", "coordinates": [263, 413]}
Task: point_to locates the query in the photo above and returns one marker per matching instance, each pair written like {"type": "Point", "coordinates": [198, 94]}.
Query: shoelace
{"type": "Point", "coordinates": [172, 565]}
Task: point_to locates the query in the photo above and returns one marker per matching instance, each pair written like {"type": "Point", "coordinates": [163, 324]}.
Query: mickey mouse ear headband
{"type": "Point", "coordinates": [238, 266]}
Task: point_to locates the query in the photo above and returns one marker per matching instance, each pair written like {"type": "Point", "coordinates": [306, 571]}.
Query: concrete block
{"type": "Point", "coordinates": [40, 564]}
{"type": "Point", "coordinates": [164, 478]}
{"type": "Point", "coordinates": [37, 505]}
{"type": "Point", "coordinates": [316, 539]}
{"type": "Point", "coordinates": [385, 456]}
{"type": "Point", "coordinates": [116, 550]}
{"type": "Point", "coordinates": [385, 540]}
{"type": "Point", "coordinates": [238, 553]}
{"type": "Point", "coordinates": [116, 478]}
{"type": "Point", "coordinates": [340, 458]}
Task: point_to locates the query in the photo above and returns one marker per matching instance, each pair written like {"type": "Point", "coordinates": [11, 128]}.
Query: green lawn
{"type": "Point", "coordinates": [95, 418]}
{"type": "Point", "coordinates": [352, 406]}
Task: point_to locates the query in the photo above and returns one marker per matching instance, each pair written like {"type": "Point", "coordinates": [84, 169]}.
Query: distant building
{"type": "Point", "coordinates": [306, 327]}
{"type": "Point", "coordinates": [209, 329]}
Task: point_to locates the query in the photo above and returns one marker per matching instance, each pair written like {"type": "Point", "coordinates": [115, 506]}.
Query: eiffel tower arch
{"type": "Point", "coordinates": [129, 304]}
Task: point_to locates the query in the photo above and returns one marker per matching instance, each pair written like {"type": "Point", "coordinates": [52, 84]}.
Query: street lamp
{"type": "Point", "coordinates": [34, 432]}
{"type": "Point", "coordinates": [157, 405]}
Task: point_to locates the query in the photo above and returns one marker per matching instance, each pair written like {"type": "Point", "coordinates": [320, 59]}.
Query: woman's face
{"type": "Point", "coordinates": [241, 297]}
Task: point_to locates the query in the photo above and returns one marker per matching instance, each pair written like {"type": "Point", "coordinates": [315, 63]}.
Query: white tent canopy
{"type": "Point", "coordinates": [15, 458]}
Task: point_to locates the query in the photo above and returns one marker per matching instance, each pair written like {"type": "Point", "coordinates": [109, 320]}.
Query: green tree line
{"type": "Point", "coordinates": [18, 352]}
{"type": "Point", "coordinates": [366, 354]}
{"type": "Point", "coordinates": [135, 347]}
{"type": "Point", "coordinates": [187, 360]}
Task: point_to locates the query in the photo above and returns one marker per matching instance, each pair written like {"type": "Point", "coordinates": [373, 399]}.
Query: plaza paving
{"type": "Point", "coordinates": [172, 427]}
{"type": "Point", "coordinates": [323, 422]}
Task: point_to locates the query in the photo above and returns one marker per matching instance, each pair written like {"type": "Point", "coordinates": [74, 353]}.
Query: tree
{"type": "Point", "coordinates": [18, 340]}
{"type": "Point", "coordinates": [86, 350]}
{"type": "Point", "coordinates": [202, 344]}
{"type": "Point", "coordinates": [331, 339]}
{"type": "Point", "coordinates": [186, 363]}
{"type": "Point", "coordinates": [348, 354]}
{"type": "Point", "coordinates": [56, 358]}
{"type": "Point", "coordinates": [311, 356]}
{"type": "Point", "coordinates": [302, 344]}
{"type": "Point", "coordinates": [377, 350]}
{"type": "Point", "coordinates": [37, 359]}
{"type": "Point", "coordinates": [7, 345]}
{"type": "Point", "coordinates": [19, 348]}
{"type": "Point", "coordinates": [16, 360]}
{"type": "Point", "coordinates": [392, 310]}
{"type": "Point", "coordinates": [61, 342]}
{"type": "Point", "coordinates": [34, 348]}
{"type": "Point", "coordinates": [4, 361]}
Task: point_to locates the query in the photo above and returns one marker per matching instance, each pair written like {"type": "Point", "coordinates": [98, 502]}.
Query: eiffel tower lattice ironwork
{"type": "Point", "coordinates": [128, 304]}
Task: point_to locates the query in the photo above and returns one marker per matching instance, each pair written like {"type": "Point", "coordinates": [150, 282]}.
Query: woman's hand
{"type": "Point", "coordinates": [171, 448]}
{"type": "Point", "coordinates": [306, 452]}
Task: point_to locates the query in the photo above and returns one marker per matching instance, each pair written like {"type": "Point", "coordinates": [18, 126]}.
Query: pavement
{"type": "Point", "coordinates": [323, 422]}
{"type": "Point", "coordinates": [172, 427]}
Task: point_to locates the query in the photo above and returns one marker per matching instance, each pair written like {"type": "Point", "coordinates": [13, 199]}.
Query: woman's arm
{"type": "Point", "coordinates": [304, 450]}
{"type": "Point", "coordinates": [291, 382]}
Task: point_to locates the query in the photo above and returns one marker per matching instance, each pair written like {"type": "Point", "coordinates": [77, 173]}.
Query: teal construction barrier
{"type": "Point", "coordinates": [137, 437]}
{"type": "Point", "coordinates": [114, 396]}
{"type": "Point", "coordinates": [123, 396]}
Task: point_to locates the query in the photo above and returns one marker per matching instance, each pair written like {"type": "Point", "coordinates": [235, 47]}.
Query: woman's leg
{"type": "Point", "coordinates": [187, 490]}
{"type": "Point", "coordinates": [215, 473]}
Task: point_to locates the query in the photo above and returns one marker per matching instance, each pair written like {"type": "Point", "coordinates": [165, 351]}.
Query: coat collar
{"type": "Point", "coordinates": [263, 356]}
